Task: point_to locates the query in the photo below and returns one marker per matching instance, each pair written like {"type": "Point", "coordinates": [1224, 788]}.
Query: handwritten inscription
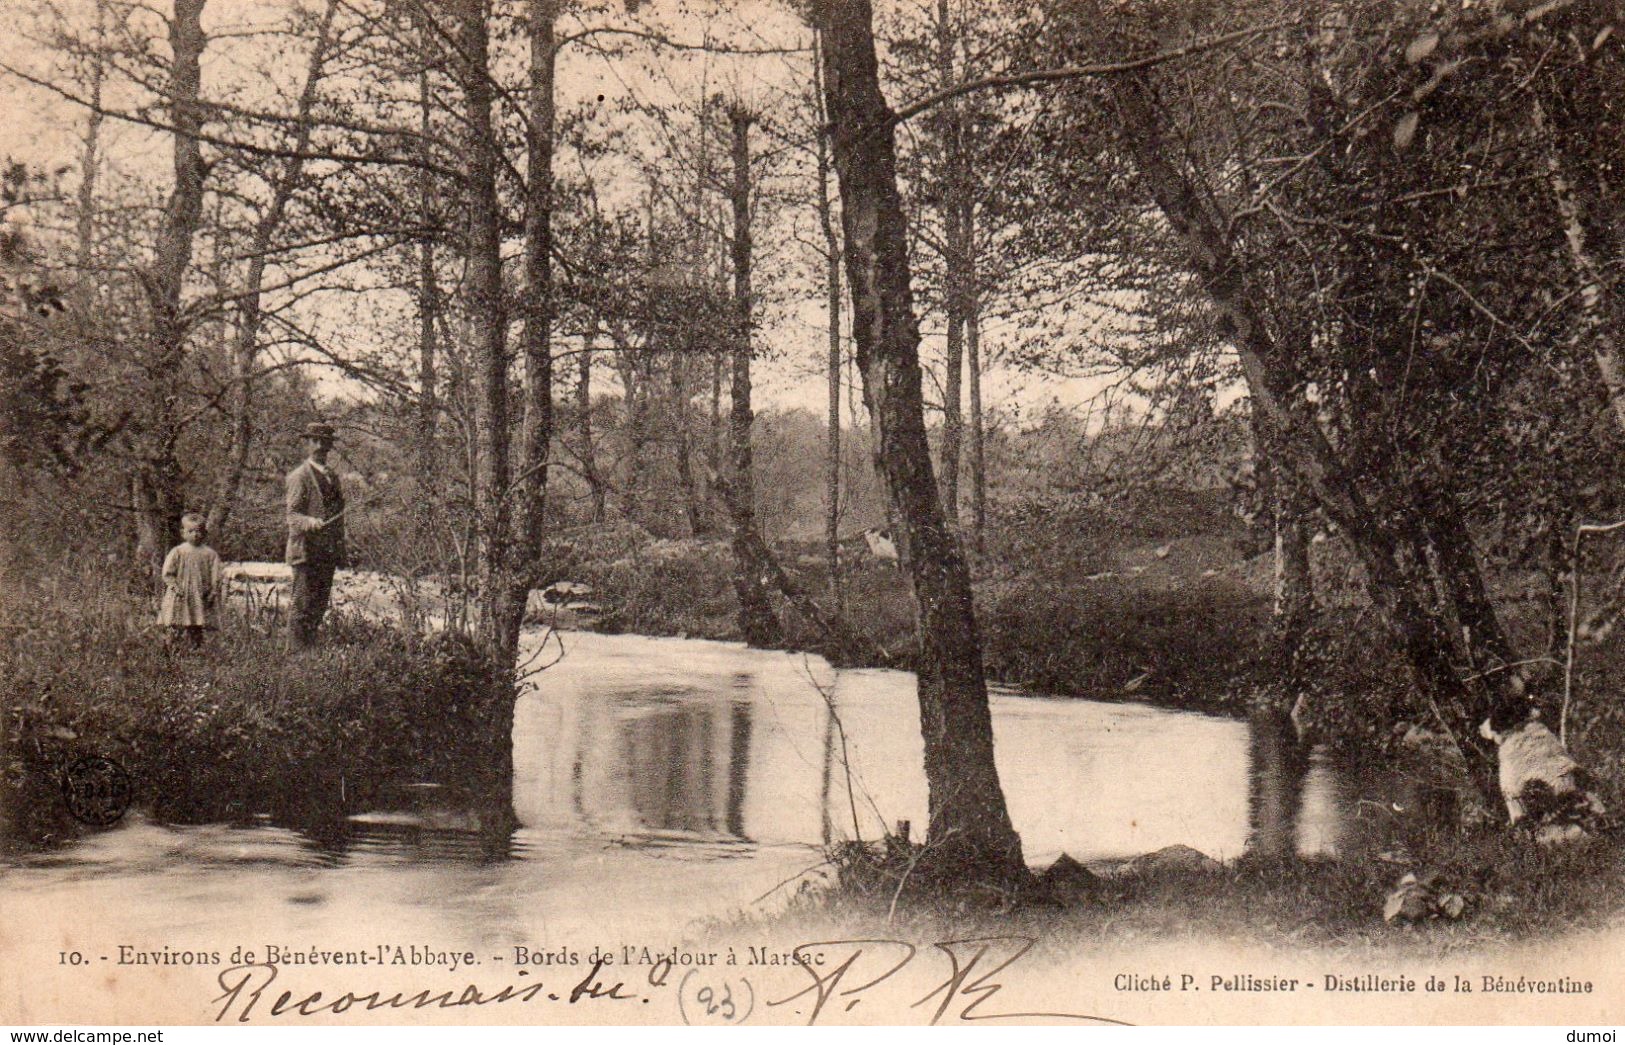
{"type": "Point", "coordinates": [244, 994]}
{"type": "Point", "coordinates": [962, 980]}
{"type": "Point", "coordinates": [972, 966]}
{"type": "Point", "coordinates": [704, 999]}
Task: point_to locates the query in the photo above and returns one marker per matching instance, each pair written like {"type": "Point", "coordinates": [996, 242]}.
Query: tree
{"type": "Point", "coordinates": [956, 205]}
{"type": "Point", "coordinates": [537, 345]}
{"type": "Point", "coordinates": [1387, 458]}
{"type": "Point", "coordinates": [970, 834]}
{"type": "Point", "coordinates": [510, 504]}
{"type": "Point", "coordinates": [757, 621]}
{"type": "Point", "coordinates": [156, 484]}
{"type": "Point", "coordinates": [833, 365]}
{"type": "Point", "coordinates": [428, 283]}
{"type": "Point", "coordinates": [488, 326]}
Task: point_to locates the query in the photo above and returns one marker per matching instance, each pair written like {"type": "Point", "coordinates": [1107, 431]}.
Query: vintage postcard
{"type": "Point", "coordinates": [884, 512]}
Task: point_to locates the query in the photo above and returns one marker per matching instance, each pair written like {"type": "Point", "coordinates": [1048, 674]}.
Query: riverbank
{"type": "Point", "coordinates": [1456, 889]}
{"type": "Point", "coordinates": [1175, 625]}
{"type": "Point", "coordinates": [641, 745]}
{"type": "Point", "coordinates": [1249, 944]}
{"type": "Point", "coordinates": [1182, 623]}
{"type": "Point", "coordinates": [243, 727]}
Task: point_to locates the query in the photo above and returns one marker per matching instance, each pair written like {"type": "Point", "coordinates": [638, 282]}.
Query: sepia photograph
{"type": "Point", "coordinates": [812, 512]}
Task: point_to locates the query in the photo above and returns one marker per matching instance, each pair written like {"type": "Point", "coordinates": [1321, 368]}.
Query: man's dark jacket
{"type": "Point", "coordinates": [313, 498]}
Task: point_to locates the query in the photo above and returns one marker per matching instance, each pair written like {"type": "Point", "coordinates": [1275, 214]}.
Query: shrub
{"type": "Point", "coordinates": [668, 588]}
{"type": "Point", "coordinates": [1186, 645]}
{"type": "Point", "coordinates": [242, 728]}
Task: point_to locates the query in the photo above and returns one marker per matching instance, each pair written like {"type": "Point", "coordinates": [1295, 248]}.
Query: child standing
{"type": "Point", "coordinates": [191, 583]}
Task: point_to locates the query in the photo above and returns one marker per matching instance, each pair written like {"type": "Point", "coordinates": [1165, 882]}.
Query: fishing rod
{"type": "Point", "coordinates": [342, 512]}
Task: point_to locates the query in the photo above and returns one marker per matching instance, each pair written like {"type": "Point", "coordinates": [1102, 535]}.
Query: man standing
{"type": "Point", "coordinates": [315, 503]}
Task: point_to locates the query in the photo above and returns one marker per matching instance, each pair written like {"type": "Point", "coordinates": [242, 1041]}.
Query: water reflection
{"type": "Point", "coordinates": [665, 771]}
{"type": "Point", "coordinates": [685, 767]}
{"type": "Point", "coordinates": [650, 741]}
{"type": "Point", "coordinates": [1305, 801]}
{"type": "Point", "coordinates": [1278, 771]}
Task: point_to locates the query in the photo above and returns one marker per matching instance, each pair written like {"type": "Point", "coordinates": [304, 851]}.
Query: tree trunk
{"type": "Point", "coordinates": [537, 345]}
{"type": "Point", "coordinates": [832, 284]}
{"type": "Point", "coordinates": [184, 211]}
{"type": "Point", "coordinates": [632, 366]}
{"type": "Point", "coordinates": [159, 472]}
{"type": "Point", "coordinates": [1588, 270]}
{"type": "Point", "coordinates": [589, 452]}
{"type": "Point", "coordinates": [1287, 513]}
{"type": "Point", "coordinates": [970, 838]}
{"type": "Point", "coordinates": [757, 623]}
{"type": "Point", "coordinates": [245, 346]}
{"type": "Point", "coordinates": [87, 281]}
{"type": "Point", "coordinates": [713, 445]}
{"type": "Point", "coordinates": [517, 556]}
{"type": "Point", "coordinates": [690, 365]}
{"type": "Point", "coordinates": [488, 328]}
{"type": "Point", "coordinates": [156, 512]}
{"type": "Point", "coordinates": [953, 415]}
{"type": "Point", "coordinates": [428, 405]}
{"type": "Point", "coordinates": [955, 205]}
{"type": "Point", "coordinates": [515, 536]}
{"type": "Point", "coordinates": [1294, 582]}
{"type": "Point", "coordinates": [973, 369]}
{"type": "Point", "coordinates": [683, 453]}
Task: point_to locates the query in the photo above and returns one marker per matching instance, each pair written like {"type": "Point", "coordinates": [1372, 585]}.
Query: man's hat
{"type": "Point", "coordinates": [319, 430]}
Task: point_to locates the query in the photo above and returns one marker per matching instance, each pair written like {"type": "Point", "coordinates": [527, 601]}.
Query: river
{"type": "Point", "coordinates": [660, 781]}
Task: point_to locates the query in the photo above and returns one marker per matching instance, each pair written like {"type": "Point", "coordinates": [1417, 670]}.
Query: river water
{"type": "Point", "coordinates": [659, 781]}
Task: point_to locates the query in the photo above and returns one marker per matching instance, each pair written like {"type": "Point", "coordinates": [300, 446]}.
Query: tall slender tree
{"type": "Point", "coordinates": [487, 321]}
{"type": "Point", "coordinates": [91, 159]}
{"type": "Point", "coordinates": [835, 357]}
{"type": "Point", "coordinates": [955, 204]}
{"type": "Point", "coordinates": [157, 488]}
{"type": "Point", "coordinates": [757, 621]}
{"type": "Point", "coordinates": [428, 283]}
{"type": "Point", "coordinates": [969, 834]}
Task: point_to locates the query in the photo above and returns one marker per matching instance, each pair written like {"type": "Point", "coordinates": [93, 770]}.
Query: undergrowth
{"type": "Point", "coordinates": [240, 728]}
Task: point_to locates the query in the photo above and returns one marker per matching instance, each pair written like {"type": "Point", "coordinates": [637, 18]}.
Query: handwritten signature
{"type": "Point", "coordinates": [868, 964]}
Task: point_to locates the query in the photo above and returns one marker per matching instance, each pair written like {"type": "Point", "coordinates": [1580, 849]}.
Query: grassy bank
{"type": "Point", "coordinates": [1510, 888]}
{"type": "Point", "coordinates": [241, 729]}
{"type": "Point", "coordinates": [1165, 633]}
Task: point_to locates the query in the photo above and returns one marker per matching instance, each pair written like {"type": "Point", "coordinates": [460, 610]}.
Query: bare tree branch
{"type": "Point", "coordinates": [1035, 77]}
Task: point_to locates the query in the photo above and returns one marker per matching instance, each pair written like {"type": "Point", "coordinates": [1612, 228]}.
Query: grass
{"type": "Point", "coordinates": [1512, 889]}
{"type": "Point", "coordinates": [240, 729]}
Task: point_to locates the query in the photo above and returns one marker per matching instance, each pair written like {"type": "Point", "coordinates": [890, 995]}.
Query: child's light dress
{"type": "Point", "coordinates": [191, 587]}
